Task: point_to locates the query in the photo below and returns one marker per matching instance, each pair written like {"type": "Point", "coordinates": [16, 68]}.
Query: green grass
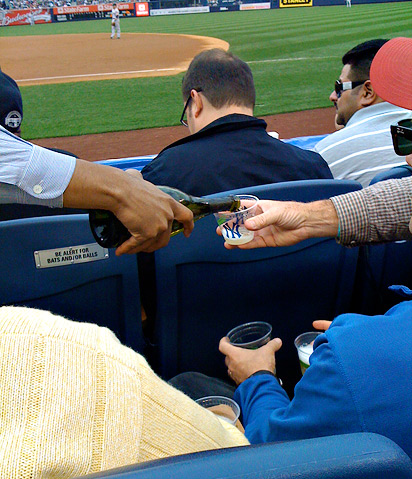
{"type": "Point", "coordinates": [294, 55]}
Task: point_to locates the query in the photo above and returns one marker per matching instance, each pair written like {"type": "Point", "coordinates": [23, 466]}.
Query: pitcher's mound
{"type": "Point", "coordinates": [33, 60]}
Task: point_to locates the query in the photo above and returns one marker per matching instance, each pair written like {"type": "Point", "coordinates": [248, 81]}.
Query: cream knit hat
{"type": "Point", "coordinates": [75, 401]}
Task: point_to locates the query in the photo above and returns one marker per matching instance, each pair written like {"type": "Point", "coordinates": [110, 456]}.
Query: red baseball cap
{"type": "Point", "coordinates": [391, 72]}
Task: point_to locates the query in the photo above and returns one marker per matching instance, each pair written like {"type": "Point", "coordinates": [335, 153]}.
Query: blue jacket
{"type": "Point", "coordinates": [234, 151]}
{"type": "Point", "coordinates": [359, 379]}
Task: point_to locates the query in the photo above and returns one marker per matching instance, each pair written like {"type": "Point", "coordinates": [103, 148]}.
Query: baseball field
{"type": "Point", "coordinates": [294, 55]}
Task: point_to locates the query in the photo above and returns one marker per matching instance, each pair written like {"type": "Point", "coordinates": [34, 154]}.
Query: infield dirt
{"type": "Point", "coordinates": [46, 59]}
{"type": "Point", "coordinates": [150, 142]}
{"type": "Point", "coordinates": [90, 57]}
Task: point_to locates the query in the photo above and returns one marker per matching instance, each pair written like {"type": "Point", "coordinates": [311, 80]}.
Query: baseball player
{"type": "Point", "coordinates": [115, 21]}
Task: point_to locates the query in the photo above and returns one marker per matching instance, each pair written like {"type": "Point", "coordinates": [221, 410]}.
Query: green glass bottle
{"type": "Point", "coordinates": [109, 232]}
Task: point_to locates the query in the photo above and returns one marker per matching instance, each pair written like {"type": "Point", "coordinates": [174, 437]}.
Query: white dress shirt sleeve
{"type": "Point", "coordinates": [42, 174]}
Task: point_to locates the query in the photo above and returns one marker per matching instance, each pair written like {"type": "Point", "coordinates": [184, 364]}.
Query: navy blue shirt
{"type": "Point", "coordinates": [234, 151]}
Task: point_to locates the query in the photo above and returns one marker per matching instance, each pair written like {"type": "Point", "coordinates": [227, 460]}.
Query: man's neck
{"type": "Point", "coordinates": [210, 115]}
{"type": "Point", "coordinates": [377, 100]}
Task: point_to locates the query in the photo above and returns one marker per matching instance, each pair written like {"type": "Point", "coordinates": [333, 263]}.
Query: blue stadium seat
{"type": "Point", "coordinates": [13, 211]}
{"type": "Point", "coordinates": [305, 142]}
{"type": "Point", "coordinates": [135, 163]}
{"type": "Point", "coordinates": [383, 265]}
{"type": "Point", "coordinates": [348, 456]}
{"type": "Point", "coordinates": [105, 291]}
{"type": "Point", "coordinates": [204, 290]}
{"type": "Point", "coordinates": [393, 173]}
{"type": "Point", "coordinates": [380, 266]}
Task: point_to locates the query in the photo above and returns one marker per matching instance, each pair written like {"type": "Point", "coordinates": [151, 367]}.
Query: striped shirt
{"type": "Point", "coordinates": [32, 174]}
{"type": "Point", "coordinates": [364, 147]}
{"type": "Point", "coordinates": [379, 213]}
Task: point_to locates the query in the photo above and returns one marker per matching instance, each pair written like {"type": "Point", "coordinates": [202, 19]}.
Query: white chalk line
{"type": "Point", "coordinates": [274, 60]}
{"type": "Point", "coordinates": [97, 74]}
{"type": "Point", "coordinates": [297, 59]}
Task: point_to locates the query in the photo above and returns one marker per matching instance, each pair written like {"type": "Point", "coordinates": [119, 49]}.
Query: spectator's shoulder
{"type": "Point", "coordinates": [165, 158]}
{"type": "Point", "coordinates": [164, 167]}
{"type": "Point", "coordinates": [333, 138]}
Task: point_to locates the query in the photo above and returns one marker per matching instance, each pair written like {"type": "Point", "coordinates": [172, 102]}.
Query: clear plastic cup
{"type": "Point", "coordinates": [304, 345]}
{"type": "Point", "coordinates": [226, 408]}
{"type": "Point", "coordinates": [250, 335]}
{"type": "Point", "coordinates": [232, 224]}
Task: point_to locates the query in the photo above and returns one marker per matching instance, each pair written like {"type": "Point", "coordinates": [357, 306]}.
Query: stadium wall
{"type": "Point", "coordinates": [323, 3]}
{"type": "Point", "coordinates": [155, 7]}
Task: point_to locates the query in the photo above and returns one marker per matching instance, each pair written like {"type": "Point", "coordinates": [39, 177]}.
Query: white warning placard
{"type": "Point", "coordinates": [49, 258]}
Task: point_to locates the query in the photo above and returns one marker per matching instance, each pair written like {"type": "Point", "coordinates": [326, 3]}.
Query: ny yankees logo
{"type": "Point", "coordinates": [232, 230]}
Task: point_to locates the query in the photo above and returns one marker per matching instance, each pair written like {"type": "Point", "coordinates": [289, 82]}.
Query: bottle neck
{"type": "Point", "coordinates": [222, 203]}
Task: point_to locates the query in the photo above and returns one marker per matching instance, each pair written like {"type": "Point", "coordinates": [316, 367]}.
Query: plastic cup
{"type": "Point", "coordinates": [304, 345]}
{"type": "Point", "coordinates": [226, 408]}
{"type": "Point", "coordinates": [232, 224]}
{"type": "Point", "coordinates": [250, 335]}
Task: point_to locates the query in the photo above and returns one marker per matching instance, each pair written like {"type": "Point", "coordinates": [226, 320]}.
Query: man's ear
{"type": "Point", "coordinates": [198, 103]}
{"type": "Point", "coordinates": [368, 94]}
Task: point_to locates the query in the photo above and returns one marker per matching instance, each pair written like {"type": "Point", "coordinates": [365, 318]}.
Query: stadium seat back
{"type": "Point", "coordinates": [54, 263]}
{"type": "Point", "coordinates": [204, 290]}
{"type": "Point", "coordinates": [348, 456]}
{"type": "Point", "coordinates": [383, 265]}
{"type": "Point", "coordinates": [393, 173]}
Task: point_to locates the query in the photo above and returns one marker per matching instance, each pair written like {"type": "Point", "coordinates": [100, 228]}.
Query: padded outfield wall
{"type": "Point", "coordinates": [323, 3]}
{"type": "Point", "coordinates": [157, 7]}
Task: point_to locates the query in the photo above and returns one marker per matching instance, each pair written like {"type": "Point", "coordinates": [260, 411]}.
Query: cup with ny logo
{"type": "Point", "coordinates": [232, 224]}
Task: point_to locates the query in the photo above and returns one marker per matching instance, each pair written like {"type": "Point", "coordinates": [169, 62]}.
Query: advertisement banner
{"type": "Point", "coordinates": [90, 12]}
{"type": "Point", "coordinates": [295, 3]}
{"type": "Point", "coordinates": [255, 6]}
{"type": "Point", "coordinates": [178, 11]}
{"type": "Point", "coordinates": [142, 9]}
{"type": "Point", "coordinates": [25, 17]}
{"type": "Point", "coordinates": [224, 8]}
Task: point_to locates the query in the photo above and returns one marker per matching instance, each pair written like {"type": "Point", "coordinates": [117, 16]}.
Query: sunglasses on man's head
{"type": "Point", "coordinates": [402, 137]}
{"type": "Point", "coordinates": [341, 86]}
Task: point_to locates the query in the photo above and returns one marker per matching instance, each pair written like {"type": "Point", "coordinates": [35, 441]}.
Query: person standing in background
{"type": "Point", "coordinates": [115, 21]}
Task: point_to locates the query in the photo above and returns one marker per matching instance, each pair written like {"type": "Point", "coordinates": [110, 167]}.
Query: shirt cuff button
{"type": "Point", "coordinates": [37, 189]}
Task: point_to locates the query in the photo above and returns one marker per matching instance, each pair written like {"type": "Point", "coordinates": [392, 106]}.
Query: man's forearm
{"type": "Point", "coordinates": [95, 186]}
{"type": "Point", "coordinates": [321, 219]}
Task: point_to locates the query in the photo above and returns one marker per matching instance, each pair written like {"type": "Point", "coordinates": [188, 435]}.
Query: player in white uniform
{"type": "Point", "coordinates": [115, 21]}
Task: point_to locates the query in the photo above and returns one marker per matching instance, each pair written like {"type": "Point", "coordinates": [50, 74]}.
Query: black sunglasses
{"type": "Point", "coordinates": [182, 118]}
{"type": "Point", "coordinates": [341, 86]}
{"type": "Point", "coordinates": [402, 137]}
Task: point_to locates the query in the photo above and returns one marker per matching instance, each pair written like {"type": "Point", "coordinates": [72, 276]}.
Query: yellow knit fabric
{"type": "Point", "coordinates": [75, 401]}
